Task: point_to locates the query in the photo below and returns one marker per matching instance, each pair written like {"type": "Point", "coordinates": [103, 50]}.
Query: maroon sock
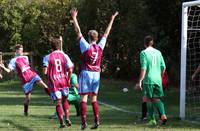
{"type": "Point", "coordinates": [47, 91]}
{"type": "Point", "coordinates": [59, 113]}
{"type": "Point", "coordinates": [66, 108]}
{"type": "Point", "coordinates": [25, 108]}
{"type": "Point", "coordinates": [83, 112]}
{"type": "Point", "coordinates": [95, 108]}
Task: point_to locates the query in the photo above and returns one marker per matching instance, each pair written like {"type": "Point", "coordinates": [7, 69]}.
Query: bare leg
{"type": "Point", "coordinates": [42, 84]}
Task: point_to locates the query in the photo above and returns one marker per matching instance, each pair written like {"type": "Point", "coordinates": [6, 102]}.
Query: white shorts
{"type": "Point", "coordinates": [59, 94]}
{"type": "Point", "coordinates": [28, 87]}
{"type": "Point", "coordinates": [89, 82]}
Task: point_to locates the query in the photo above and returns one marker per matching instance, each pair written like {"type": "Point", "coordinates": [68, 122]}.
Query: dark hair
{"type": "Point", "coordinates": [148, 40]}
{"type": "Point", "coordinates": [17, 46]}
{"type": "Point", "coordinates": [55, 43]}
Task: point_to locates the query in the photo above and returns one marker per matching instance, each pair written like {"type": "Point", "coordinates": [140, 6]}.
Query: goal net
{"type": "Point", "coordinates": [190, 59]}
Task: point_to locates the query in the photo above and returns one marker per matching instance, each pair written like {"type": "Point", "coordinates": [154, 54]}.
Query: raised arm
{"type": "Point", "coordinates": [4, 68]}
{"type": "Point", "coordinates": [195, 73]}
{"type": "Point", "coordinates": [77, 29]}
{"type": "Point", "coordinates": [1, 76]}
{"type": "Point", "coordinates": [61, 39]}
{"type": "Point", "coordinates": [106, 33]}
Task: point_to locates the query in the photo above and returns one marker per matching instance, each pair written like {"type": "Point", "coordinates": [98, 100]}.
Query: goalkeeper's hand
{"type": "Point", "coordinates": [138, 86]}
{"type": "Point", "coordinates": [193, 77]}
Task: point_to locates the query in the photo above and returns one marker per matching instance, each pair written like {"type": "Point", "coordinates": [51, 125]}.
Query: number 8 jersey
{"type": "Point", "coordinates": [57, 64]}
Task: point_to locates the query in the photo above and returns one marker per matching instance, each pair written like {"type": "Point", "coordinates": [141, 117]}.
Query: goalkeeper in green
{"type": "Point", "coordinates": [73, 97]}
{"type": "Point", "coordinates": [152, 68]}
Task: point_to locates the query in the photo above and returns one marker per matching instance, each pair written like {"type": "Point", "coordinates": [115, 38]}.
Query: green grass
{"type": "Point", "coordinates": [11, 110]}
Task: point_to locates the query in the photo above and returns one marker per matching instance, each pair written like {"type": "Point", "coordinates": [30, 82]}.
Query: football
{"type": "Point", "coordinates": [125, 90]}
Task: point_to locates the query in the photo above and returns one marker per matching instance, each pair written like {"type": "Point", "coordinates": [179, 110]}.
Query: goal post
{"type": "Point", "coordinates": [190, 29]}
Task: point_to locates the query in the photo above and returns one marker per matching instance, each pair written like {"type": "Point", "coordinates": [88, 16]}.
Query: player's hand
{"type": "Point", "coordinates": [193, 77]}
{"type": "Point", "coordinates": [114, 15]}
{"type": "Point", "coordinates": [74, 12]}
{"type": "Point", "coordinates": [69, 83]}
{"type": "Point", "coordinates": [1, 76]}
{"type": "Point", "coordinates": [2, 65]}
{"type": "Point", "coordinates": [138, 86]}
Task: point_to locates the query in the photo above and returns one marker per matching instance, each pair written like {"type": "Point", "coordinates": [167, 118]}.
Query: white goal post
{"type": "Point", "coordinates": [184, 43]}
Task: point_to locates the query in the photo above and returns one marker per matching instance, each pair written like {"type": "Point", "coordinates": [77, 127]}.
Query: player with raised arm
{"type": "Point", "coordinates": [152, 68]}
{"type": "Point", "coordinates": [28, 76]}
{"type": "Point", "coordinates": [89, 77]}
{"type": "Point", "coordinates": [58, 68]}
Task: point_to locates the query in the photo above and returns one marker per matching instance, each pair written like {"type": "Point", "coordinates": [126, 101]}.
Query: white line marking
{"type": "Point", "coordinates": [118, 109]}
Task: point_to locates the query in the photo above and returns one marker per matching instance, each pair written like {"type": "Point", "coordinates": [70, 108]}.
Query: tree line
{"type": "Point", "coordinates": [33, 22]}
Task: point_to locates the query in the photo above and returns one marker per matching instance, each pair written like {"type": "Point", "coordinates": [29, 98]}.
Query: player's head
{"type": "Point", "coordinates": [19, 49]}
{"type": "Point", "coordinates": [55, 44]}
{"type": "Point", "coordinates": [93, 36]}
{"type": "Point", "coordinates": [148, 41]}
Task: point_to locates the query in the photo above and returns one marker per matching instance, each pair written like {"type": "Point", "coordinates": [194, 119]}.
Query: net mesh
{"type": "Point", "coordinates": [193, 61]}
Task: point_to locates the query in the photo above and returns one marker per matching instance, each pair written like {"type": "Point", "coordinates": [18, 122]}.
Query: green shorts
{"type": "Point", "coordinates": [152, 91]}
{"type": "Point", "coordinates": [73, 97]}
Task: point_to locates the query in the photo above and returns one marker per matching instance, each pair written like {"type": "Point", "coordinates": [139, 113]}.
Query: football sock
{"type": "Point", "coordinates": [66, 108]}
{"type": "Point", "coordinates": [160, 106]}
{"type": "Point", "coordinates": [25, 108]}
{"type": "Point", "coordinates": [159, 113]}
{"type": "Point", "coordinates": [77, 106]}
{"type": "Point", "coordinates": [59, 113]}
{"type": "Point", "coordinates": [150, 110]}
{"type": "Point", "coordinates": [47, 91]}
{"type": "Point", "coordinates": [95, 108]}
{"type": "Point", "coordinates": [83, 112]}
{"type": "Point", "coordinates": [144, 109]}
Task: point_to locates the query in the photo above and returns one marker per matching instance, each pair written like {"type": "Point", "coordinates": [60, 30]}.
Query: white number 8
{"type": "Point", "coordinates": [58, 65]}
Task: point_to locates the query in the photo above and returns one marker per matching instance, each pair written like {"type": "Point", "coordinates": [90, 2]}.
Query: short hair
{"type": "Point", "coordinates": [55, 43]}
{"type": "Point", "coordinates": [148, 40]}
{"type": "Point", "coordinates": [93, 35]}
{"type": "Point", "coordinates": [18, 46]}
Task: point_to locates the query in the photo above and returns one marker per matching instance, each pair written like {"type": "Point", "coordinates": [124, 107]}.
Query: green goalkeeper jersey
{"type": "Point", "coordinates": [73, 82]}
{"type": "Point", "coordinates": [152, 61]}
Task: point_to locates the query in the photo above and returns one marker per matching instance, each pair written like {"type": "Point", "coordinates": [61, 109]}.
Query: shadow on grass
{"type": "Point", "coordinates": [19, 127]}
{"type": "Point", "coordinates": [19, 101]}
{"type": "Point", "coordinates": [111, 117]}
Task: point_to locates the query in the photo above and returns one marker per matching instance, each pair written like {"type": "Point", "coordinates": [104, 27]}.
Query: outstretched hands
{"type": "Point", "coordinates": [2, 65]}
{"type": "Point", "coordinates": [114, 15]}
{"type": "Point", "coordinates": [74, 12]}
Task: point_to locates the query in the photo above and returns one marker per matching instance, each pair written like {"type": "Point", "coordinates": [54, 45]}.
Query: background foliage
{"type": "Point", "coordinates": [33, 22]}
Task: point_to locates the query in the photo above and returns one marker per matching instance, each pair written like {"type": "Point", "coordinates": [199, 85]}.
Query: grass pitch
{"type": "Point", "coordinates": [120, 111]}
